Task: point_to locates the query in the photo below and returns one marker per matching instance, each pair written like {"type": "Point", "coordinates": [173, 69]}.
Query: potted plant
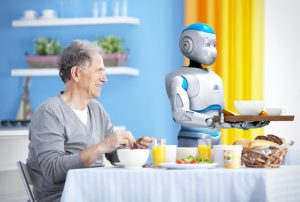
{"type": "Point", "coordinates": [47, 53]}
{"type": "Point", "coordinates": [113, 52]}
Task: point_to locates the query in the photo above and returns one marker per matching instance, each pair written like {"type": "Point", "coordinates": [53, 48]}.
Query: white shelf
{"type": "Point", "coordinates": [54, 72]}
{"type": "Point", "coordinates": [75, 21]}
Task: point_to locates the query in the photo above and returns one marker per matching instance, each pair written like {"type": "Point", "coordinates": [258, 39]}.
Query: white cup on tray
{"type": "Point", "coordinates": [275, 111]}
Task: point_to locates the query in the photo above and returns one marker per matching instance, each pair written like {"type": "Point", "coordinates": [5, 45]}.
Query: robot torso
{"type": "Point", "coordinates": [195, 94]}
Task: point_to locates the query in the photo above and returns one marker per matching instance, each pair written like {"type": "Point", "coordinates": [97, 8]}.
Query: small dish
{"type": "Point", "coordinates": [275, 111]}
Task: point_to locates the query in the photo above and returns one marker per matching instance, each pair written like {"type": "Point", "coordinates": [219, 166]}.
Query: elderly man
{"type": "Point", "coordinates": [72, 130]}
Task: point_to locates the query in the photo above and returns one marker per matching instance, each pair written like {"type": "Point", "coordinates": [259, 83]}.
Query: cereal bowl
{"type": "Point", "coordinates": [133, 158]}
{"type": "Point", "coordinates": [249, 107]}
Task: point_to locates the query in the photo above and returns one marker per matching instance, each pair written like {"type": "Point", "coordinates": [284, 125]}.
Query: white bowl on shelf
{"type": "Point", "coordinates": [249, 107]}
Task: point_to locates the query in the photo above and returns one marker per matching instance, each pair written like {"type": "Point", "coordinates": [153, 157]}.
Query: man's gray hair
{"type": "Point", "coordinates": [78, 53]}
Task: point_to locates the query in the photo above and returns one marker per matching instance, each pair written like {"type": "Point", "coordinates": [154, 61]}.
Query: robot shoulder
{"type": "Point", "coordinates": [184, 78]}
{"type": "Point", "coordinates": [215, 76]}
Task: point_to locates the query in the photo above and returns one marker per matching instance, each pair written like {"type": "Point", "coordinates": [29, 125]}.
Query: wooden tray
{"type": "Point", "coordinates": [238, 118]}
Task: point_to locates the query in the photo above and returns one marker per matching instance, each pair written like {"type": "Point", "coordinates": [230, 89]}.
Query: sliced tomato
{"type": "Point", "coordinates": [179, 162]}
{"type": "Point", "coordinates": [193, 161]}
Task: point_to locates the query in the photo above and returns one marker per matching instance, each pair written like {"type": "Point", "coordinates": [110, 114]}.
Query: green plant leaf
{"type": "Point", "coordinates": [111, 44]}
{"type": "Point", "coordinates": [47, 46]}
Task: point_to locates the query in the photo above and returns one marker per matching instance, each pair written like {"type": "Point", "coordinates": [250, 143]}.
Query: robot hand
{"type": "Point", "coordinates": [222, 124]}
{"type": "Point", "coordinates": [247, 125]}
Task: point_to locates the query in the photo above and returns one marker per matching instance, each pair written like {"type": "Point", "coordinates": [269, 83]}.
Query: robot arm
{"type": "Point", "coordinates": [245, 125]}
{"type": "Point", "coordinates": [181, 106]}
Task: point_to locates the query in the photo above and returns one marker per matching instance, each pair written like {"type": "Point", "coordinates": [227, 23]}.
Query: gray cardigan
{"type": "Point", "coordinates": [56, 137]}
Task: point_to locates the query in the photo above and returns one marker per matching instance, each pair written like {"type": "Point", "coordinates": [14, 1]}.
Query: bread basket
{"type": "Point", "coordinates": [264, 157]}
{"type": "Point", "coordinates": [264, 152]}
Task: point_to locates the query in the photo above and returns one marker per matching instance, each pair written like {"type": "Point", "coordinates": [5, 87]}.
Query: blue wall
{"type": "Point", "coordinates": [140, 103]}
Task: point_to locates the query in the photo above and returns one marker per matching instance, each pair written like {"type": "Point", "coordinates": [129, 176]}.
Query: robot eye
{"type": "Point", "coordinates": [214, 45]}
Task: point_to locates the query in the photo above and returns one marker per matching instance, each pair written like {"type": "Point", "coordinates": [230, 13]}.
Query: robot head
{"type": "Point", "coordinates": [198, 43]}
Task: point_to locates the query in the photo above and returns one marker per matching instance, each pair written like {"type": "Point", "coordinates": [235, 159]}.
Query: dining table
{"type": "Point", "coordinates": [119, 184]}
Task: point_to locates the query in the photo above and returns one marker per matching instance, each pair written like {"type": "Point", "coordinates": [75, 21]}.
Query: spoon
{"type": "Point", "coordinates": [120, 146]}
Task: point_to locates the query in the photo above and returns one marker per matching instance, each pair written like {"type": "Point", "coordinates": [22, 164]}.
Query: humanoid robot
{"type": "Point", "coordinates": [196, 93]}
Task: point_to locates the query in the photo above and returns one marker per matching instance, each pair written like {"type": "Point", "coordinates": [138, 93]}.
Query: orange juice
{"type": "Point", "coordinates": [204, 152]}
{"type": "Point", "coordinates": [159, 155]}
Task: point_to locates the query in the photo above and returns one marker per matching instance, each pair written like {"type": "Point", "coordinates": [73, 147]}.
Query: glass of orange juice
{"type": "Point", "coordinates": [159, 152]}
{"type": "Point", "coordinates": [204, 149]}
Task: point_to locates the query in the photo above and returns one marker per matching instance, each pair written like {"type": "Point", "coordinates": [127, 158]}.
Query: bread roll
{"type": "Point", "coordinates": [270, 137]}
{"type": "Point", "coordinates": [275, 139]}
{"type": "Point", "coordinates": [244, 143]}
{"type": "Point", "coordinates": [262, 137]}
{"type": "Point", "coordinates": [283, 140]}
{"type": "Point", "coordinates": [262, 143]}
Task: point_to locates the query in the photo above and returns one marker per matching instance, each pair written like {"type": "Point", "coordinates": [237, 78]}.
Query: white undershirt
{"type": "Point", "coordinates": [82, 115]}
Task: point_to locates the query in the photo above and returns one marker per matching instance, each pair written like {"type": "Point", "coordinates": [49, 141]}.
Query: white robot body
{"type": "Point", "coordinates": [196, 94]}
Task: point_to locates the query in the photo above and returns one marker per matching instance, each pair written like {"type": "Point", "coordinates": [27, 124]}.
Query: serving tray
{"type": "Point", "coordinates": [237, 118]}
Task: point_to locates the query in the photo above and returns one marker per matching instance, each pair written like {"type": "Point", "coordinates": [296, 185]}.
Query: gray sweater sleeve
{"type": "Point", "coordinates": [109, 129]}
{"type": "Point", "coordinates": [47, 137]}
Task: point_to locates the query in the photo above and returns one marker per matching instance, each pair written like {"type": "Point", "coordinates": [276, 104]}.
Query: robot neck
{"type": "Point", "coordinates": [195, 64]}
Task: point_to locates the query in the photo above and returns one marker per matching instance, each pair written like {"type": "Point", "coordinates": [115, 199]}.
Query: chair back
{"type": "Point", "coordinates": [22, 168]}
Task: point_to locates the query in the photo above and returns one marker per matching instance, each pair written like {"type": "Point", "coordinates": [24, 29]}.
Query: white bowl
{"type": "Point", "coordinates": [183, 152]}
{"type": "Point", "coordinates": [133, 158]}
{"type": "Point", "coordinates": [273, 111]}
{"type": "Point", "coordinates": [249, 107]}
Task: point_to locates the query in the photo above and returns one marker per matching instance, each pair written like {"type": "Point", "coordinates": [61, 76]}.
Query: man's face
{"type": "Point", "coordinates": [93, 77]}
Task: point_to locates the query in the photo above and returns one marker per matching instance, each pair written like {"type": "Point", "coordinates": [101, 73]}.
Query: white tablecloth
{"type": "Point", "coordinates": [161, 185]}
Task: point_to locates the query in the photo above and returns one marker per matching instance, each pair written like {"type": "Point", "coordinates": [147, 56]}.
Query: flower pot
{"type": "Point", "coordinates": [42, 61]}
{"type": "Point", "coordinates": [114, 59]}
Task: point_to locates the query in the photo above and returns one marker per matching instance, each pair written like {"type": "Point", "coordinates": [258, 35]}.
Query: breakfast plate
{"type": "Point", "coordinates": [188, 165]}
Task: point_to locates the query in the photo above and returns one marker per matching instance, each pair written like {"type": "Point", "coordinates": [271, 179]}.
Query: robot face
{"type": "Point", "coordinates": [199, 46]}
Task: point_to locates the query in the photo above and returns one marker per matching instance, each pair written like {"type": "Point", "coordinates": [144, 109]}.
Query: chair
{"type": "Point", "coordinates": [22, 168]}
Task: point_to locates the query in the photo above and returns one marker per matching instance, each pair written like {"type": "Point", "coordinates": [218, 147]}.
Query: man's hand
{"type": "Point", "coordinates": [117, 138]}
{"type": "Point", "coordinates": [142, 143]}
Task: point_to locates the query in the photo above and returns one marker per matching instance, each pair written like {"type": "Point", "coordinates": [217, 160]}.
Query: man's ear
{"type": "Point", "coordinates": [75, 74]}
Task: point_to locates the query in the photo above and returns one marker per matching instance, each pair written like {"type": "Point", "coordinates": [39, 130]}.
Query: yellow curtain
{"type": "Point", "coordinates": [239, 27]}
